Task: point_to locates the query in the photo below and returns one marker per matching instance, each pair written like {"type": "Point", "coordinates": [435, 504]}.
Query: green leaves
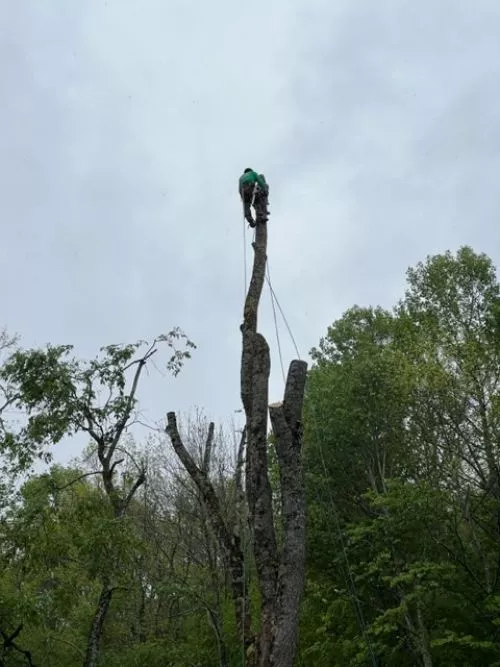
{"type": "Point", "coordinates": [57, 395]}
{"type": "Point", "coordinates": [41, 385]}
{"type": "Point", "coordinates": [402, 431]}
{"type": "Point", "coordinates": [173, 339]}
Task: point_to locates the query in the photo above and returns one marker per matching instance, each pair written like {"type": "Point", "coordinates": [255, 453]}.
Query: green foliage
{"type": "Point", "coordinates": [59, 395]}
{"type": "Point", "coordinates": [402, 426]}
{"type": "Point", "coordinates": [401, 450]}
{"type": "Point", "coordinates": [51, 555]}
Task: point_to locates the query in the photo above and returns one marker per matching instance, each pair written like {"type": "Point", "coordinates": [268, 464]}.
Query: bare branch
{"type": "Point", "coordinates": [207, 454]}
{"type": "Point", "coordinates": [138, 482]}
{"type": "Point", "coordinates": [115, 463]}
{"type": "Point", "coordinates": [77, 479]}
{"type": "Point", "coordinates": [8, 402]}
{"type": "Point", "coordinates": [121, 424]}
{"type": "Point", "coordinates": [199, 477]}
{"type": "Point", "coordinates": [149, 353]}
{"type": "Point", "coordinates": [139, 466]}
{"type": "Point", "coordinates": [229, 541]}
{"type": "Point", "coordinates": [90, 428]}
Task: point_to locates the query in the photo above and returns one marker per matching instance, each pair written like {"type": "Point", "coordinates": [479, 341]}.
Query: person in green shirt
{"type": "Point", "coordinates": [254, 190]}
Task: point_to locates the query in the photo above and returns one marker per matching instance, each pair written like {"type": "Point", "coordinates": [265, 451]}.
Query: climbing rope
{"type": "Point", "coordinates": [274, 303]}
{"type": "Point", "coordinates": [245, 254]}
{"type": "Point", "coordinates": [271, 292]}
{"type": "Point", "coordinates": [268, 278]}
{"type": "Point", "coordinates": [274, 299]}
{"type": "Point", "coordinates": [349, 578]}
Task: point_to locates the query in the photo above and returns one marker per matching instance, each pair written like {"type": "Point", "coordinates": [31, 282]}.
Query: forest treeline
{"type": "Point", "coordinates": [114, 561]}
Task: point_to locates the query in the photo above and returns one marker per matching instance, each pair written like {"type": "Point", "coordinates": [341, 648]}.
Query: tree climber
{"type": "Point", "coordinates": [254, 190]}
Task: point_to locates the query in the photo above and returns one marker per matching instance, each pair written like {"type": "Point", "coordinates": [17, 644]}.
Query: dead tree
{"type": "Point", "coordinates": [227, 536]}
{"type": "Point", "coordinates": [280, 571]}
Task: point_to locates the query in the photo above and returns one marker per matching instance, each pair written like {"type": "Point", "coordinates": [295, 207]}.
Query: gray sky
{"type": "Point", "coordinates": [125, 126]}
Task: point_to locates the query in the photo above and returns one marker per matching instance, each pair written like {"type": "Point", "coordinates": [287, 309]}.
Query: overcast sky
{"type": "Point", "coordinates": [124, 127]}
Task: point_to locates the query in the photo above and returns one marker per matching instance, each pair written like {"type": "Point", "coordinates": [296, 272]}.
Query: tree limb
{"type": "Point", "coordinates": [116, 463]}
{"type": "Point", "coordinates": [199, 477]}
{"type": "Point", "coordinates": [229, 541]}
{"type": "Point", "coordinates": [286, 423]}
{"type": "Point", "coordinates": [8, 402]}
{"type": "Point", "coordinates": [207, 454]}
{"type": "Point", "coordinates": [138, 482]}
{"type": "Point", "coordinates": [77, 479]}
{"type": "Point", "coordinates": [121, 424]}
{"type": "Point", "coordinates": [259, 493]}
{"type": "Point", "coordinates": [8, 643]}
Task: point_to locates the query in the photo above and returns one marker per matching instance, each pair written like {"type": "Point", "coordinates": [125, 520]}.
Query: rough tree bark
{"type": "Point", "coordinates": [280, 573]}
{"type": "Point", "coordinates": [287, 426]}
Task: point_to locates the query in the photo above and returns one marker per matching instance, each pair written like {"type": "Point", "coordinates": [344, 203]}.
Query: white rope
{"type": "Point", "coordinates": [253, 194]}
{"type": "Point", "coordinates": [245, 254]}
{"type": "Point", "coordinates": [276, 324]}
{"type": "Point", "coordinates": [273, 293]}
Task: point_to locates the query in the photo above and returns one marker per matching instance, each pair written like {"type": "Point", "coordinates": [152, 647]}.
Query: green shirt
{"type": "Point", "coordinates": [252, 177]}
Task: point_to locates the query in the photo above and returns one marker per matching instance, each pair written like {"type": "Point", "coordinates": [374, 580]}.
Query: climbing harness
{"type": "Point", "coordinates": [245, 254]}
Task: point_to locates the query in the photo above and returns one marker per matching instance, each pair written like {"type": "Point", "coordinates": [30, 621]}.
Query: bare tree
{"type": "Point", "coordinates": [280, 569]}
{"type": "Point", "coordinates": [228, 537]}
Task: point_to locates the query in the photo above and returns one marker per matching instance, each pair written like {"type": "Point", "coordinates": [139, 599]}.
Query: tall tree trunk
{"type": "Point", "coordinates": [287, 427]}
{"type": "Point", "coordinates": [255, 369]}
{"type": "Point", "coordinates": [280, 574]}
